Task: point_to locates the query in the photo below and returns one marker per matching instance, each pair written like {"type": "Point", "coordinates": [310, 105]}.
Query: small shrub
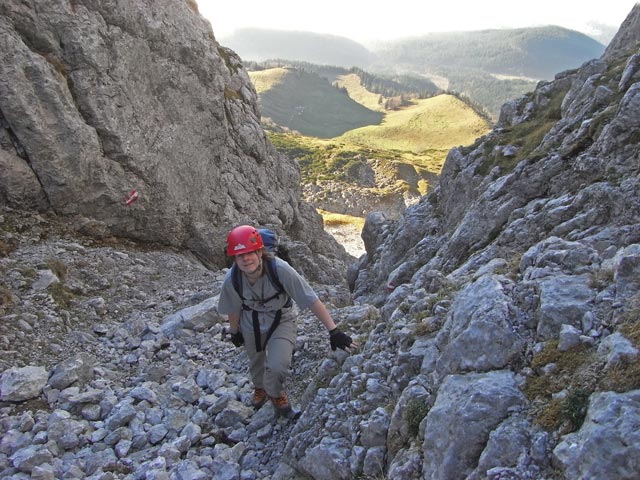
{"type": "Point", "coordinates": [626, 375]}
{"type": "Point", "coordinates": [358, 389]}
{"type": "Point", "coordinates": [339, 220]}
{"type": "Point", "coordinates": [622, 378]}
{"type": "Point", "coordinates": [29, 273]}
{"type": "Point", "coordinates": [549, 415]}
{"type": "Point", "coordinates": [527, 136]}
{"type": "Point", "coordinates": [61, 295]}
{"type": "Point", "coordinates": [226, 56]}
{"type": "Point", "coordinates": [446, 292]}
{"type": "Point", "coordinates": [512, 268]}
{"type": "Point", "coordinates": [416, 410]}
{"type": "Point", "coordinates": [423, 328]}
{"type": "Point", "coordinates": [601, 279]}
{"type": "Point", "coordinates": [631, 317]}
{"type": "Point", "coordinates": [564, 414]}
{"type": "Point", "coordinates": [6, 298]}
{"type": "Point", "coordinates": [600, 121]}
{"type": "Point", "coordinates": [574, 408]}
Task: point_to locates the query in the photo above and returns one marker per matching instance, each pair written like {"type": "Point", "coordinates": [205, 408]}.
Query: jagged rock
{"type": "Point", "coordinates": [563, 299]}
{"type": "Point", "coordinates": [28, 458]}
{"type": "Point", "coordinates": [19, 186]}
{"type": "Point", "coordinates": [329, 460]}
{"type": "Point", "coordinates": [607, 444]}
{"type": "Point", "coordinates": [479, 334]}
{"type": "Point", "coordinates": [78, 369]}
{"type": "Point", "coordinates": [400, 425]}
{"type": "Point", "coordinates": [46, 278]}
{"type": "Point", "coordinates": [20, 384]}
{"type": "Point", "coordinates": [197, 317]}
{"type": "Point", "coordinates": [470, 406]}
{"type": "Point", "coordinates": [627, 268]}
{"type": "Point", "coordinates": [616, 348]}
{"type": "Point", "coordinates": [357, 201]}
{"type": "Point", "coordinates": [569, 337]}
{"type": "Point", "coordinates": [106, 77]}
{"type": "Point", "coordinates": [515, 449]}
{"type": "Point", "coordinates": [407, 464]}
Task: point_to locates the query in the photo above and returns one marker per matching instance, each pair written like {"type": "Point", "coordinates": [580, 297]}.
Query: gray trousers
{"type": "Point", "coordinates": [270, 368]}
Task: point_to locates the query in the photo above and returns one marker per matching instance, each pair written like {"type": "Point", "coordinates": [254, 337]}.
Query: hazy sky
{"type": "Point", "coordinates": [369, 20]}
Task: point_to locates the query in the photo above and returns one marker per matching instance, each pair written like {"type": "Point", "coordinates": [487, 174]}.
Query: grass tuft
{"type": "Point", "coordinates": [7, 247]}
{"type": "Point", "coordinates": [339, 220]}
{"type": "Point", "coordinates": [58, 268]}
{"type": "Point", "coordinates": [527, 136]}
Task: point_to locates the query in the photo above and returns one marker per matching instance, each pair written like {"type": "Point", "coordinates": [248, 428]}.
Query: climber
{"type": "Point", "coordinates": [262, 316]}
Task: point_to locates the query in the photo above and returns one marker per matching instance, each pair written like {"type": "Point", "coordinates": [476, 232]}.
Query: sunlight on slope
{"type": "Point", "coordinates": [266, 79]}
{"type": "Point", "coordinates": [359, 93]}
{"type": "Point", "coordinates": [437, 123]}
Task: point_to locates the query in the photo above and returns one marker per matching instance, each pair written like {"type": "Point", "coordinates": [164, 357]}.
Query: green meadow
{"type": "Point", "coordinates": [351, 126]}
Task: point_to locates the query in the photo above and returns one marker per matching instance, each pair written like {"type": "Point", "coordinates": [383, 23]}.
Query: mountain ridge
{"type": "Point", "coordinates": [489, 67]}
{"type": "Point", "coordinates": [260, 44]}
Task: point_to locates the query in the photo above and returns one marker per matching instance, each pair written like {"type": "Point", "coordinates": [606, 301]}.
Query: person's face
{"type": "Point", "coordinates": [249, 262]}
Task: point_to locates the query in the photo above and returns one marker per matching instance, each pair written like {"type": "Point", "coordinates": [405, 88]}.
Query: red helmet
{"type": "Point", "coordinates": [243, 239]}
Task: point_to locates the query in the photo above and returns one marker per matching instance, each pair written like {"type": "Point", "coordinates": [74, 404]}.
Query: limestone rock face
{"type": "Point", "coordinates": [574, 174]}
{"type": "Point", "coordinates": [98, 98]}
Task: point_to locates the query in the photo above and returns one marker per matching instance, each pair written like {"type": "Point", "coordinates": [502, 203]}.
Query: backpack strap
{"type": "Point", "coordinates": [272, 275]}
{"type": "Point", "coordinates": [256, 329]}
{"type": "Point", "coordinates": [236, 280]}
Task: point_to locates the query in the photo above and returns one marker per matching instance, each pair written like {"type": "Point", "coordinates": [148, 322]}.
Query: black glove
{"type": "Point", "coordinates": [237, 339]}
{"type": "Point", "coordinates": [339, 339]}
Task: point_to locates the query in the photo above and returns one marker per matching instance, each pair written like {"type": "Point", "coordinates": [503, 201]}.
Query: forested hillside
{"type": "Point", "coordinates": [385, 84]}
{"type": "Point", "coordinates": [536, 53]}
{"type": "Point", "coordinates": [263, 44]}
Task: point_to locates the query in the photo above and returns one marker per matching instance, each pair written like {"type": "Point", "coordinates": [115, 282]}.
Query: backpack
{"type": "Point", "coordinates": [271, 243]}
{"type": "Point", "coordinates": [270, 240]}
{"type": "Point", "coordinates": [274, 245]}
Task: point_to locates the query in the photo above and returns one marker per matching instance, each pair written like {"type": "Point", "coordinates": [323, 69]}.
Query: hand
{"type": "Point", "coordinates": [341, 340]}
{"type": "Point", "coordinates": [237, 339]}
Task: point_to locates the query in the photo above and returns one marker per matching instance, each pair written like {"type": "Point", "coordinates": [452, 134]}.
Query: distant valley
{"type": "Point", "coordinates": [489, 67]}
{"type": "Point", "coordinates": [361, 150]}
{"type": "Point", "coordinates": [371, 128]}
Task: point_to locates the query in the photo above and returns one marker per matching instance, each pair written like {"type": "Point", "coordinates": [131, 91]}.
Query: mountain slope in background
{"type": "Point", "coordinates": [431, 125]}
{"type": "Point", "coordinates": [490, 67]}
{"type": "Point", "coordinates": [309, 104]}
{"type": "Point", "coordinates": [537, 53]}
{"type": "Point", "coordinates": [263, 44]}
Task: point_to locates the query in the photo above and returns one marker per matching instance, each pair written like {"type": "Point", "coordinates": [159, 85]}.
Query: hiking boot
{"type": "Point", "coordinates": [283, 407]}
{"type": "Point", "coordinates": [259, 397]}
